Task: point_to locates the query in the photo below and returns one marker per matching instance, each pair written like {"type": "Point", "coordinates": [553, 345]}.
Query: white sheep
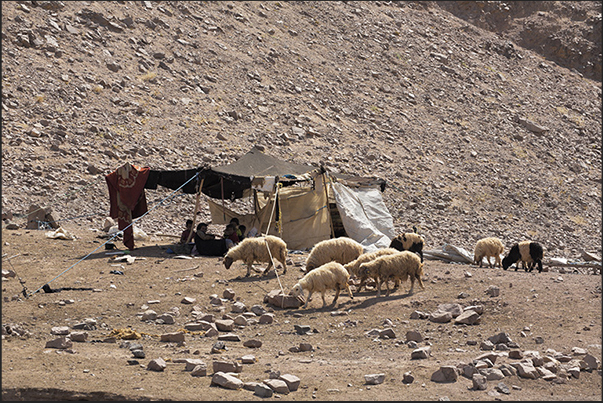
{"type": "Point", "coordinates": [353, 267]}
{"type": "Point", "coordinates": [341, 250]}
{"type": "Point", "coordinates": [254, 250]}
{"type": "Point", "coordinates": [329, 276]}
{"type": "Point", "coordinates": [410, 241]}
{"type": "Point", "coordinates": [488, 247]}
{"type": "Point", "coordinates": [401, 265]}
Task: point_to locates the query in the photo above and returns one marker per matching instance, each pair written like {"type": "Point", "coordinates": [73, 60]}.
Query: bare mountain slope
{"type": "Point", "coordinates": [475, 135]}
{"type": "Point", "coordinates": [483, 117]}
{"type": "Point", "coordinates": [566, 32]}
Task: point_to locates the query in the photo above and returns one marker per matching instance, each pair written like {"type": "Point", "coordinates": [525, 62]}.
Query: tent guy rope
{"type": "Point", "coordinates": [278, 186]}
{"type": "Point", "coordinates": [110, 239]}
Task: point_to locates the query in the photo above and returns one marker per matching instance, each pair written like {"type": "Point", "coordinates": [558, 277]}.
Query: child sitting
{"type": "Point", "coordinates": [202, 232]}
{"type": "Point", "coordinates": [187, 232]}
{"type": "Point", "coordinates": [207, 244]}
{"type": "Point", "coordinates": [230, 235]}
{"type": "Point", "coordinates": [242, 230]}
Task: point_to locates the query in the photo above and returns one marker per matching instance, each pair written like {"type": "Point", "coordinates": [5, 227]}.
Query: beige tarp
{"type": "Point", "coordinates": [305, 217]}
{"type": "Point", "coordinates": [304, 221]}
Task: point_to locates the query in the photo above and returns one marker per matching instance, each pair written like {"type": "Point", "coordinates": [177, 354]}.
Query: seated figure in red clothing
{"type": "Point", "coordinates": [230, 235]}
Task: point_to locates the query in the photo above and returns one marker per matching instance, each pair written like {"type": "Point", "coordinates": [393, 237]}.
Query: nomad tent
{"type": "Point", "coordinates": [302, 204]}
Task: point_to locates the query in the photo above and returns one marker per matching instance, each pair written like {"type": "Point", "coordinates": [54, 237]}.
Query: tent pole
{"type": "Point", "coordinates": [280, 212]}
{"type": "Point", "coordinates": [222, 190]}
{"type": "Point", "coordinates": [255, 210]}
{"type": "Point", "coordinates": [260, 223]}
{"type": "Point", "coordinates": [324, 181]}
{"type": "Point", "coordinates": [273, 208]}
{"type": "Point", "coordinates": [257, 215]}
{"type": "Point", "coordinates": [196, 210]}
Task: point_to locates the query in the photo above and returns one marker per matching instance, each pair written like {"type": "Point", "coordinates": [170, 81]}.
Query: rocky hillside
{"type": "Point", "coordinates": [566, 32]}
{"type": "Point", "coordinates": [483, 117]}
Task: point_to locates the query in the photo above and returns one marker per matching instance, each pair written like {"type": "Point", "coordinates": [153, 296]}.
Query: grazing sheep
{"type": "Point", "coordinates": [488, 247]}
{"type": "Point", "coordinates": [409, 241]}
{"type": "Point", "coordinates": [527, 252]}
{"type": "Point", "coordinates": [353, 267]}
{"type": "Point", "coordinates": [341, 250]}
{"type": "Point", "coordinates": [329, 276]}
{"type": "Point", "coordinates": [254, 250]}
{"type": "Point", "coordinates": [401, 265]}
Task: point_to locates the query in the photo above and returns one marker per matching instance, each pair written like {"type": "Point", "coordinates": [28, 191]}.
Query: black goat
{"type": "Point", "coordinates": [529, 253]}
{"type": "Point", "coordinates": [410, 241]}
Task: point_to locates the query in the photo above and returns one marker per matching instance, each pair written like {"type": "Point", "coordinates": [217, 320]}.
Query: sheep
{"type": "Point", "coordinates": [254, 250]}
{"type": "Point", "coordinates": [488, 247]}
{"type": "Point", "coordinates": [354, 266]}
{"type": "Point", "coordinates": [527, 252]}
{"type": "Point", "coordinates": [410, 241]}
{"type": "Point", "coordinates": [329, 276]}
{"type": "Point", "coordinates": [400, 265]}
{"type": "Point", "coordinates": [341, 250]}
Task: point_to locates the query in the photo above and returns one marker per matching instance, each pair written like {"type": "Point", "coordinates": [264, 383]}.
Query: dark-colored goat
{"type": "Point", "coordinates": [410, 241]}
{"type": "Point", "coordinates": [529, 253]}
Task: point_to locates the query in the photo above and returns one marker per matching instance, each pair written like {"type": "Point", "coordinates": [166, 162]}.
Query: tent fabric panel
{"type": "Point", "coordinates": [221, 215]}
{"type": "Point", "coordinates": [232, 187]}
{"type": "Point", "coordinates": [174, 179]}
{"type": "Point", "coordinates": [232, 180]}
{"type": "Point", "coordinates": [352, 206]}
{"type": "Point", "coordinates": [304, 221]}
{"type": "Point", "coordinates": [376, 211]}
{"type": "Point", "coordinates": [305, 217]}
{"type": "Point", "coordinates": [256, 163]}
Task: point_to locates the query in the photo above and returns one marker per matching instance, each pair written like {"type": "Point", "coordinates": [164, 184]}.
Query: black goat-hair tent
{"type": "Point", "coordinates": [231, 180]}
{"type": "Point", "coordinates": [304, 214]}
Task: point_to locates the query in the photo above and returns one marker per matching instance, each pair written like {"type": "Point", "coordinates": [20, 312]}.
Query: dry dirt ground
{"type": "Point", "coordinates": [484, 118]}
{"type": "Point", "coordinates": [539, 311]}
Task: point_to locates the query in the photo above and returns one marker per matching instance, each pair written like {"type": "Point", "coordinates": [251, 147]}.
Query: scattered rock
{"type": "Point", "coordinates": [292, 381]}
{"type": "Point", "coordinates": [172, 337]}
{"type": "Point", "coordinates": [277, 385]}
{"type": "Point", "coordinates": [253, 343]}
{"type": "Point", "coordinates": [158, 365]}
{"type": "Point", "coordinates": [226, 381]}
{"type": "Point", "coordinates": [59, 343]}
{"type": "Point", "coordinates": [421, 353]}
{"type": "Point", "coordinates": [446, 374]}
{"type": "Point", "coordinates": [263, 390]}
{"type": "Point", "coordinates": [374, 379]}
{"type": "Point", "coordinates": [479, 382]}
{"type": "Point", "coordinates": [227, 366]}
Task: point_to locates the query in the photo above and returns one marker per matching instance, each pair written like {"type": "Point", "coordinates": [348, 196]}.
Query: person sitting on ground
{"type": "Point", "coordinates": [207, 244]}
{"type": "Point", "coordinates": [187, 232]}
{"type": "Point", "coordinates": [202, 232]}
{"type": "Point", "coordinates": [230, 235]}
{"type": "Point", "coordinates": [235, 221]}
{"type": "Point", "coordinates": [242, 229]}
